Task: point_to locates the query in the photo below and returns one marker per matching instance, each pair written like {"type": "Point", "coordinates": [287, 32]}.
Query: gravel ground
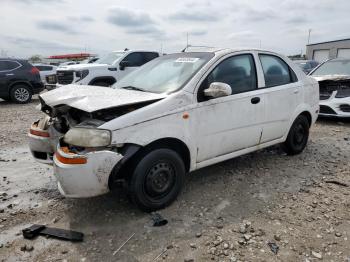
{"type": "Point", "coordinates": [232, 211]}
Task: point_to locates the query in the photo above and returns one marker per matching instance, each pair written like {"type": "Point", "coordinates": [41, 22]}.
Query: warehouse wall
{"type": "Point", "coordinates": [331, 46]}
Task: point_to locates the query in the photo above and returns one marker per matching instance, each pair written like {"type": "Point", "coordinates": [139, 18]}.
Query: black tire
{"type": "Point", "coordinates": [21, 94]}
{"type": "Point", "coordinates": [297, 137]}
{"type": "Point", "coordinates": [157, 179]}
{"type": "Point", "coordinates": [101, 84]}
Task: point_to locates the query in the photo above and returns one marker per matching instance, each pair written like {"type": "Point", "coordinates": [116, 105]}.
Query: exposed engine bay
{"type": "Point", "coordinates": [64, 117]}
{"type": "Point", "coordinates": [340, 86]}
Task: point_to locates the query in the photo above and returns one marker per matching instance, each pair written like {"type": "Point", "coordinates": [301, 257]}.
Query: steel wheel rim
{"type": "Point", "coordinates": [22, 94]}
{"type": "Point", "coordinates": [159, 180]}
{"type": "Point", "coordinates": [299, 135]}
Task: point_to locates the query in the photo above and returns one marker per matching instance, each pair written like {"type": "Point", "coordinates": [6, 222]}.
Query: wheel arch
{"type": "Point", "coordinates": [132, 154]}
{"type": "Point", "coordinates": [13, 84]}
{"type": "Point", "coordinates": [108, 79]}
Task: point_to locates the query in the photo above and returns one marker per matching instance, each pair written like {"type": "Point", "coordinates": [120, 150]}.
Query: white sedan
{"type": "Point", "coordinates": [174, 115]}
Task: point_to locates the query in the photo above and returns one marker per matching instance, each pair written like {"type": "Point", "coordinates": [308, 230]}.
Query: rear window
{"type": "Point", "coordinates": [8, 65]}
{"type": "Point", "coordinates": [44, 68]}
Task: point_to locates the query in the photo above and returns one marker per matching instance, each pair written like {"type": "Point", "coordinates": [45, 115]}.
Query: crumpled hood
{"type": "Point", "coordinates": [331, 77]}
{"type": "Point", "coordinates": [93, 98]}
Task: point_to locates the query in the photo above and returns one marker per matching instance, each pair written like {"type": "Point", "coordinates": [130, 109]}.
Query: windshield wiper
{"type": "Point", "coordinates": [133, 88]}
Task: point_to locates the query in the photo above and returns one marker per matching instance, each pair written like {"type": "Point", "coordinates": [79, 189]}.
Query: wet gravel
{"type": "Point", "coordinates": [233, 211]}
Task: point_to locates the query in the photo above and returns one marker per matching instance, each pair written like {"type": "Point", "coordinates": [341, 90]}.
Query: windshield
{"type": "Point", "coordinates": [110, 58]}
{"type": "Point", "coordinates": [333, 67]}
{"type": "Point", "coordinates": [165, 74]}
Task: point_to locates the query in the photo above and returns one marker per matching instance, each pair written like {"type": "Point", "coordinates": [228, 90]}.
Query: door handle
{"type": "Point", "coordinates": [9, 74]}
{"type": "Point", "coordinates": [296, 91]}
{"type": "Point", "coordinates": [255, 100]}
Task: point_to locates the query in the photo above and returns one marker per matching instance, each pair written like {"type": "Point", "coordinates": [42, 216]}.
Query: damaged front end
{"type": "Point", "coordinates": [335, 96]}
{"type": "Point", "coordinates": [334, 88]}
{"type": "Point", "coordinates": [81, 152]}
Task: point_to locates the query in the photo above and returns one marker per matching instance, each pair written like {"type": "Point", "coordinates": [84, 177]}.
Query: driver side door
{"type": "Point", "coordinates": [231, 123]}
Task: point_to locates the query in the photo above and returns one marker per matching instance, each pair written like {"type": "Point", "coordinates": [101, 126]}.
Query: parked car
{"type": "Point", "coordinates": [46, 70]}
{"type": "Point", "coordinates": [19, 80]}
{"type": "Point", "coordinates": [334, 80]}
{"type": "Point", "coordinates": [307, 65]}
{"type": "Point", "coordinates": [176, 114]}
{"type": "Point", "coordinates": [105, 71]}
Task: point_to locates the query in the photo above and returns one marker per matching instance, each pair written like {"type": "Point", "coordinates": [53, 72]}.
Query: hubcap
{"type": "Point", "coordinates": [22, 94]}
{"type": "Point", "coordinates": [160, 180]}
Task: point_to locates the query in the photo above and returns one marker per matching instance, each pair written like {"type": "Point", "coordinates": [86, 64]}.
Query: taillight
{"type": "Point", "coordinates": [34, 70]}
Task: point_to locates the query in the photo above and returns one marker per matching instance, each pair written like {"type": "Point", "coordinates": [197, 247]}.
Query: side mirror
{"type": "Point", "coordinates": [218, 89]}
{"type": "Point", "coordinates": [123, 64]}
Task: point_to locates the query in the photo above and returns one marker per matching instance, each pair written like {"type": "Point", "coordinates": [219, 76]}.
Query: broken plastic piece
{"type": "Point", "coordinates": [273, 246]}
{"type": "Point", "coordinates": [35, 230]}
{"type": "Point", "coordinates": [32, 231]}
{"type": "Point", "coordinates": [158, 220]}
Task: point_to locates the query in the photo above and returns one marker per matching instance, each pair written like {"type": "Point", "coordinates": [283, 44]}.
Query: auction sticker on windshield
{"type": "Point", "coordinates": [187, 60]}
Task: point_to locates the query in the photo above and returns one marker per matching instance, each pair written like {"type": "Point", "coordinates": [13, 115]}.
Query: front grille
{"type": "Point", "coordinates": [327, 110]}
{"type": "Point", "coordinates": [51, 79]}
{"type": "Point", "coordinates": [345, 108]}
{"type": "Point", "coordinates": [65, 77]}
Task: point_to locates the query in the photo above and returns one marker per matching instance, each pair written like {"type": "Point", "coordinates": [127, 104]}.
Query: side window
{"type": "Point", "coordinates": [2, 66]}
{"type": "Point", "coordinates": [237, 71]}
{"type": "Point", "coordinates": [8, 65]}
{"type": "Point", "coordinates": [12, 65]}
{"type": "Point", "coordinates": [44, 68]}
{"type": "Point", "coordinates": [276, 71]}
{"type": "Point", "coordinates": [148, 56]}
{"type": "Point", "coordinates": [134, 59]}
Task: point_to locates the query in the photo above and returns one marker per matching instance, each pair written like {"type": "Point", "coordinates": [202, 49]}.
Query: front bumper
{"type": "Point", "coordinates": [87, 177]}
{"type": "Point", "coordinates": [335, 107]}
{"type": "Point", "coordinates": [42, 143]}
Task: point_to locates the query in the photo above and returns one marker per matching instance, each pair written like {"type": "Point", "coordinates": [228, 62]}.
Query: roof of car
{"type": "Point", "coordinates": [221, 51]}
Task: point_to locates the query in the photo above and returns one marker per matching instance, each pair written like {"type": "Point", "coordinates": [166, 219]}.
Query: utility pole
{"type": "Point", "coordinates": [187, 40]}
{"type": "Point", "coordinates": [308, 40]}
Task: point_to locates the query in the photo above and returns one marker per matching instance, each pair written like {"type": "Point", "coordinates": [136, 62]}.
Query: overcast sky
{"type": "Point", "coordinates": [49, 27]}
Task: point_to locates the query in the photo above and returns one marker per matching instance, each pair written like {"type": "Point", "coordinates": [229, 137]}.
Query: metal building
{"type": "Point", "coordinates": [328, 50]}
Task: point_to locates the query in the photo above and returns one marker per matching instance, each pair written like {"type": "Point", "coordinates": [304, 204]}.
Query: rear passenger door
{"type": "Point", "coordinates": [282, 96]}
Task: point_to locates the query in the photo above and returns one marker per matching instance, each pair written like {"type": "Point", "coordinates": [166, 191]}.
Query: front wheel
{"type": "Point", "coordinates": [157, 179]}
{"type": "Point", "coordinates": [297, 137]}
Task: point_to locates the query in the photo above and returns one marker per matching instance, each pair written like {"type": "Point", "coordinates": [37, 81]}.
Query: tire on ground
{"type": "Point", "coordinates": [145, 185]}
{"type": "Point", "coordinates": [297, 137]}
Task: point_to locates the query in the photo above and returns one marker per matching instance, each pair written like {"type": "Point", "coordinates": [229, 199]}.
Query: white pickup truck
{"type": "Point", "coordinates": [105, 71]}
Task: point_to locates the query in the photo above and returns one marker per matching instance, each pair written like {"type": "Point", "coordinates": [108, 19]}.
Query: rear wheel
{"type": "Point", "coordinates": [157, 179]}
{"type": "Point", "coordinates": [297, 137]}
{"type": "Point", "coordinates": [21, 94]}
